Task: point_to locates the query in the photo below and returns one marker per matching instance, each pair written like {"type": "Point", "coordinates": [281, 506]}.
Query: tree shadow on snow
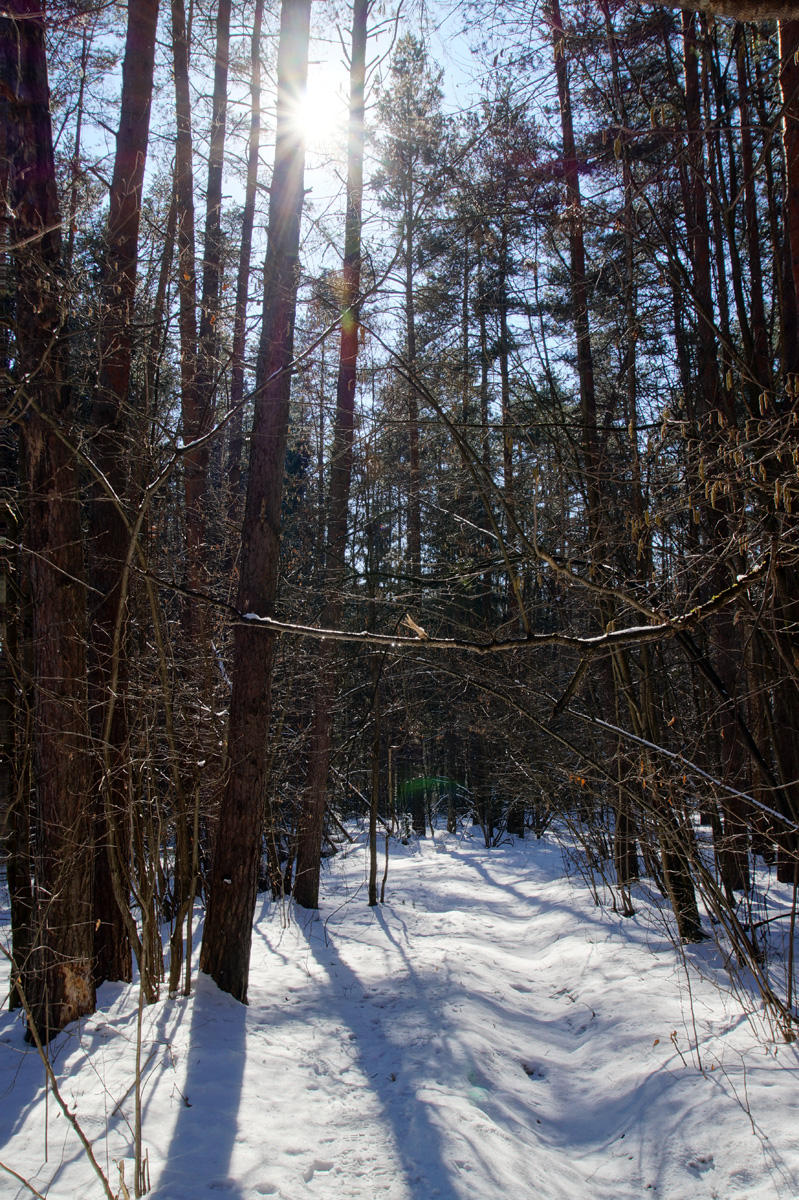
{"type": "Point", "coordinates": [198, 1160]}
{"type": "Point", "coordinates": [421, 1076]}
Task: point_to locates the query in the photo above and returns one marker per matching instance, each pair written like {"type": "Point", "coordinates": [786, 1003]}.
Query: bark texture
{"type": "Point", "coordinates": [309, 850]}
{"type": "Point", "coordinates": [235, 445]}
{"type": "Point", "coordinates": [196, 477]}
{"type": "Point", "coordinates": [579, 281]}
{"type": "Point", "coordinates": [57, 977]}
{"type": "Point", "coordinates": [228, 927]}
{"type": "Point", "coordinates": [115, 425]}
{"type": "Point", "coordinates": [739, 10]}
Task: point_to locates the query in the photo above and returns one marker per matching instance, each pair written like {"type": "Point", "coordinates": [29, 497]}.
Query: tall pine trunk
{"type": "Point", "coordinates": [415, 476]}
{"type": "Point", "coordinates": [187, 278]}
{"type": "Point", "coordinates": [57, 976]}
{"type": "Point", "coordinates": [789, 82]}
{"type": "Point", "coordinates": [309, 850]}
{"type": "Point", "coordinates": [761, 367]}
{"type": "Point", "coordinates": [579, 281]}
{"type": "Point", "coordinates": [233, 466]}
{"type": "Point", "coordinates": [228, 928]}
{"type": "Point", "coordinates": [196, 468]}
{"type": "Point", "coordinates": [115, 435]}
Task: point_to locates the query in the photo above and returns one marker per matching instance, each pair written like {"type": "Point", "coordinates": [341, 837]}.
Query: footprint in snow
{"type": "Point", "coordinates": [701, 1163]}
{"type": "Point", "coordinates": [318, 1164]}
{"type": "Point", "coordinates": [266, 1188]}
{"type": "Point", "coordinates": [579, 1030]}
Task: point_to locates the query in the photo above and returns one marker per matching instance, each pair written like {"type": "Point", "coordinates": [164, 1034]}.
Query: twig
{"type": "Point", "coordinates": [23, 1181]}
{"type": "Point", "coordinates": [338, 825]}
{"type": "Point", "coordinates": [73, 1120]}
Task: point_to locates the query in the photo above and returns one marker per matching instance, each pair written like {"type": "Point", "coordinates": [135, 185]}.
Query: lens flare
{"type": "Point", "coordinates": [322, 113]}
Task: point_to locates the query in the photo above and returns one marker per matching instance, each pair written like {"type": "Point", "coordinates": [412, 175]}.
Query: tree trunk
{"type": "Point", "coordinates": [761, 367]}
{"type": "Point", "coordinates": [75, 164]}
{"type": "Point", "coordinates": [486, 589]}
{"type": "Point", "coordinates": [715, 401]}
{"type": "Point", "coordinates": [504, 367]}
{"type": "Point", "coordinates": [579, 282]}
{"type": "Point", "coordinates": [309, 848]}
{"type": "Point", "coordinates": [789, 83]}
{"type": "Point", "coordinates": [234, 877]}
{"type": "Point", "coordinates": [785, 295]}
{"type": "Point", "coordinates": [187, 279]}
{"type": "Point", "coordinates": [196, 467]}
{"type": "Point", "coordinates": [235, 442]}
{"type": "Point", "coordinates": [58, 977]}
{"type": "Point", "coordinates": [374, 800]}
{"type": "Point", "coordinates": [415, 477]}
{"type": "Point", "coordinates": [14, 772]}
{"type": "Point", "coordinates": [155, 350]}
{"type": "Point", "coordinates": [189, 403]}
{"type": "Point", "coordinates": [114, 438]}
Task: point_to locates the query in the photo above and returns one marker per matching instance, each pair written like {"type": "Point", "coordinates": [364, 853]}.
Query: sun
{"type": "Point", "coordinates": [322, 113]}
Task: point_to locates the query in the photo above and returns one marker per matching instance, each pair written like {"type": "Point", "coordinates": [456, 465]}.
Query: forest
{"type": "Point", "coordinates": [400, 439]}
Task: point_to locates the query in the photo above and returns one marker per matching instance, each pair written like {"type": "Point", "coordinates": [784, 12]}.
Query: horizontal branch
{"type": "Point", "coordinates": [635, 635]}
{"type": "Point", "coordinates": [585, 645]}
{"type": "Point", "coordinates": [610, 641]}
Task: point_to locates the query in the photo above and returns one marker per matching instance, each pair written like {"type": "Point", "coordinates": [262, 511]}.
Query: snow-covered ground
{"type": "Point", "coordinates": [488, 1033]}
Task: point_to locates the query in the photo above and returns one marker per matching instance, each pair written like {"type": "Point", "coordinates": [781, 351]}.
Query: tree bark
{"type": "Point", "coordinates": [58, 975]}
{"type": "Point", "coordinates": [233, 466]}
{"type": "Point", "coordinates": [75, 164]}
{"type": "Point", "coordinates": [187, 278]}
{"type": "Point", "coordinates": [113, 426]}
{"type": "Point", "coordinates": [789, 84]}
{"type": "Point", "coordinates": [579, 282]}
{"type": "Point", "coordinates": [715, 401]}
{"type": "Point", "coordinates": [504, 360]}
{"type": "Point", "coordinates": [196, 468]}
{"type": "Point", "coordinates": [374, 800]}
{"type": "Point", "coordinates": [228, 928]}
{"type": "Point", "coordinates": [309, 849]}
{"type": "Point", "coordinates": [761, 367]}
{"type": "Point", "coordinates": [14, 768]}
{"type": "Point", "coordinates": [155, 349]}
{"type": "Point", "coordinates": [739, 10]}
{"type": "Point", "coordinates": [415, 477]}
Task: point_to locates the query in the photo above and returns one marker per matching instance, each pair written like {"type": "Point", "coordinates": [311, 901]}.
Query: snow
{"type": "Point", "coordinates": [487, 1033]}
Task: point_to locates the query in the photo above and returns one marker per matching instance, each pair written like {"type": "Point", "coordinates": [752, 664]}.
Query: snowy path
{"type": "Point", "coordinates": [487, 1034]}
